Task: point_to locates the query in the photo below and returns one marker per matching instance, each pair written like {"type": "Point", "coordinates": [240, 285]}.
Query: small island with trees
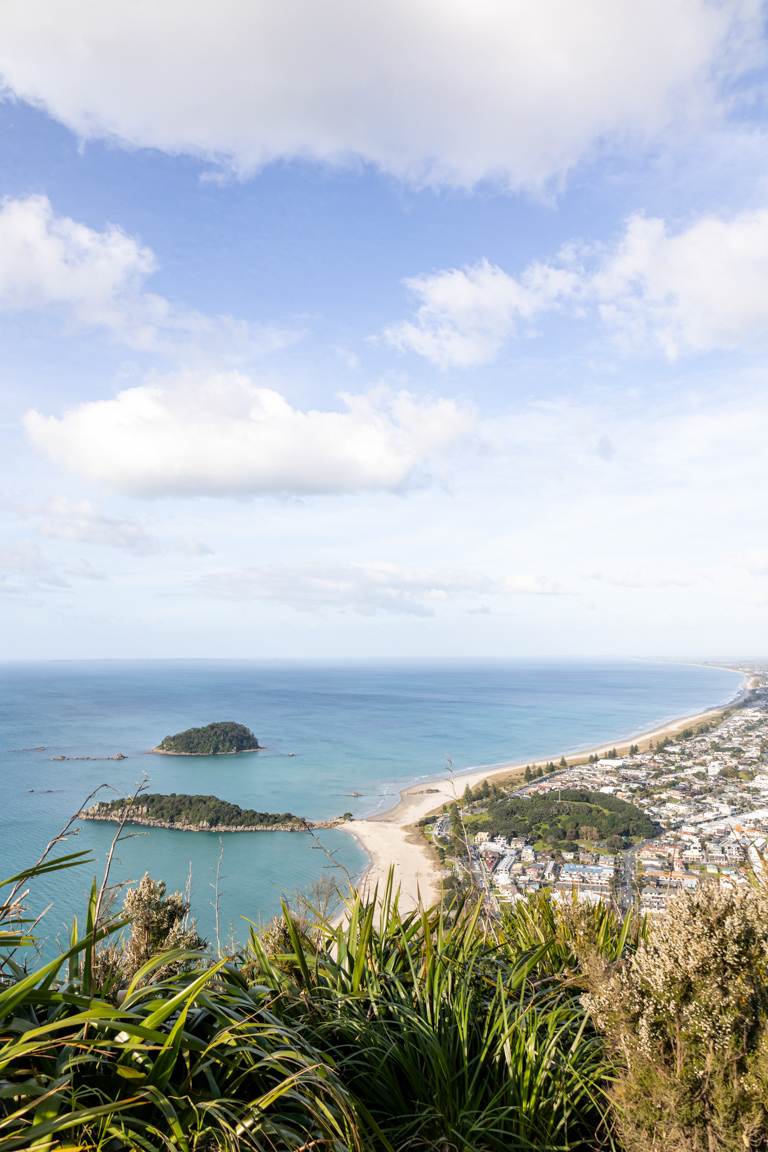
{"type": "Point", "coordinates": [224, 738]}
{"type": "Point", "coordinates": [198, 814]}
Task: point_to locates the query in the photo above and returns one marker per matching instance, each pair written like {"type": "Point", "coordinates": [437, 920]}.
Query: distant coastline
{"type": "Point", "coordinates": [391, 839]}
{"type": "Point", "coordinates": [375, 731]}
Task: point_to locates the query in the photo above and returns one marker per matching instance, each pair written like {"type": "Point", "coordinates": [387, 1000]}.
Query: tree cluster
{"type": "Point", "coordinates": [198, 811]}
{"type": "Point", "coordinates": [212, 740]}
{"type": "Point", "coordinates": [612, 754]}
{"type": "Point", "coordinates": [568, 814]}
{"type": "Point", "coordinates": [485, 790]}
{"type": "Point", "coordinates": [535, 772]}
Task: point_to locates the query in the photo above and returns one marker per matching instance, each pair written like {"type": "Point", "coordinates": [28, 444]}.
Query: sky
{"type": "Point", "coordinates": [421, 329]}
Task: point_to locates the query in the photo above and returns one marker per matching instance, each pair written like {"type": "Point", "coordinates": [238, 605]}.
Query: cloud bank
{"type": "Point", "coordinates": [368, 589]}
{"type": "Point", "coordinates": [426, 90]}
{"type": "Point", "coordinates": [225, 435]}
{"type": "Point", "coordinates": [700, 288]}
{"type": "Point", "coordinates": [80, 522]}
{"type": "Point", "coordinates": [25, 570]}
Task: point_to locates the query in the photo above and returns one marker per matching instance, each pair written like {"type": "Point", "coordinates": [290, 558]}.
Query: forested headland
{"type": "Point", "coordinates": [193, 814]}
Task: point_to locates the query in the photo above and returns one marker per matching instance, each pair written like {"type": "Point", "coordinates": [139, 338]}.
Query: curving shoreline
{"type": "Point", "coordinates": [390, 838]}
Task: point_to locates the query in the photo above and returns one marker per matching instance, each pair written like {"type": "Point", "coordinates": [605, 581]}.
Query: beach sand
{"type": "Point", "coordinates": [391, 839]}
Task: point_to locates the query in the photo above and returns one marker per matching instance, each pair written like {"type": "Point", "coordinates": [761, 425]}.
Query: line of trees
{"type": "Point", "coordinates": [200, 811]}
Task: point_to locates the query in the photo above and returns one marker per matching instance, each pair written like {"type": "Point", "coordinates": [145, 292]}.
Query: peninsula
{"type": "Point", "coordinates": [224, 738]}
{"type": "Point", "coordinates": [197, 814]}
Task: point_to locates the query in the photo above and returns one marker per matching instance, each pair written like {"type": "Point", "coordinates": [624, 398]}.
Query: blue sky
{"type": "Point", "coordinates": [428, 330]}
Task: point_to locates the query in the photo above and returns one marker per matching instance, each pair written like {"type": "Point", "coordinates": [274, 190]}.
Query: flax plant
{"type": "Point", "coordinates": [448, 1037]}
{"type": "Point", "coordinates": [194, 1061]}
{"type": "Point", "coordinates": [381, 1031]}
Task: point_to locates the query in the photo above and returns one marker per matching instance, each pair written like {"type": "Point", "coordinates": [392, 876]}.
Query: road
{"type": "Point", "coordinates": [627, 886]}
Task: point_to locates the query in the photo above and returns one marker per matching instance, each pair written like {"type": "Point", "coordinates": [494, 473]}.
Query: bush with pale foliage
{"type": "Point", "coordinates": [158, 922]}
{"type": "Point", "coordinates": [687, 1016]}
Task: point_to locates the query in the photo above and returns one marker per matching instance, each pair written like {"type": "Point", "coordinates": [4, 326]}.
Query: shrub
{"type": "Point", "coordinates": [688, 1015]}
{"type": "Point", "coordinates": [157, 923]}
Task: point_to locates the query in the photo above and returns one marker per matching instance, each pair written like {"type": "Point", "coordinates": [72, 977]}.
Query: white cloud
{"type": "Point", "coordinates": [753, 560]}
{"type": "Point", "coordinates": [78, 521]}
{"type": "Point", "coordinates": [701, 288]}
{"type": "Point", "coordinates": [642, 579]}
{"type": "Point", "coordinates": [428, 90]}
{"type": "Point", "coordinates": [224, 434]}
{"type": "Point", "coordinates": [97, 279]}
{"type": "Point", "coordinates": [465, 315]}
{"type": "Point", "coordinates": [369, 589]}
{"type": "Point", "coordinates": [25, 568]}
{"type": "Point", "coordinates": [347, 357]}
{"type": "Point", "coordinates": [48, 260]}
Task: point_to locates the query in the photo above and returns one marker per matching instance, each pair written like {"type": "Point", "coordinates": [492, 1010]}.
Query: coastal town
{"type": "Point", "coordinates": [704, 793]}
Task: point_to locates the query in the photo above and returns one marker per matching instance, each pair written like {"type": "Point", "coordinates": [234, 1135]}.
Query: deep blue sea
{"type": "Point", "coordinates": [369, 728]}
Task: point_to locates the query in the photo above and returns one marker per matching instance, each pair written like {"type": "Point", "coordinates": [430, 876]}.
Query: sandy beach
{"type": "Point", "coordinates": [391, 839]}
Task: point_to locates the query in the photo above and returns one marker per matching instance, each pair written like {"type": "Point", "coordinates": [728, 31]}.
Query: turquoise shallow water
{"type": "Point", "coordinates": [365, 728]}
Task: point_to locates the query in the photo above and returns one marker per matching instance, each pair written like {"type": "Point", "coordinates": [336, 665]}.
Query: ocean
{"type": "Point", "coordinates": [328, 730]}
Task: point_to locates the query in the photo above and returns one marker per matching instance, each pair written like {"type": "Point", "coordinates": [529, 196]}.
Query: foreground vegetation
{"type": "Point", "coordinates": [555, 1028]}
